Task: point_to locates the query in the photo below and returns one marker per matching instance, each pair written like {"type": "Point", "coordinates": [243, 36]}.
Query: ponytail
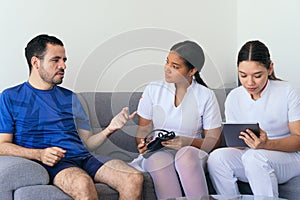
{"type": "Point", "coordinates": [199, 79]}
{"type": "Point", "coordinates": [196, 75]}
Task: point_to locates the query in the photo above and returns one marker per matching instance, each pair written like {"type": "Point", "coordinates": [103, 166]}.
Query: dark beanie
{"type": "Point", "coordinates": [191, 52]}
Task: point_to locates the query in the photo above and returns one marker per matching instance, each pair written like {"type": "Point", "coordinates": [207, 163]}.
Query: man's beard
{"type": "Point", "coordinates": [50, 80]}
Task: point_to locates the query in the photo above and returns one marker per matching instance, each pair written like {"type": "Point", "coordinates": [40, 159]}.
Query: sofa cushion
{"type": "Point", "coordinates": [21, 172]}
{"type": "Point", "coordinates": [41, 192]}
{"type": "Point", "coordinates": [290, 189]}
{"type": "Point", "coordinates": [106, 192]}
{"type": "Point", "coordinates": [101, 107]}
{"type": "Point", "coordinates": [50, 192]}
{"type": "Point", "coordinates": [108, 105]}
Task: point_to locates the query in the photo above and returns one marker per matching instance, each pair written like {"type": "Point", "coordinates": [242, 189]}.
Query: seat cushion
{"type": "Point", "coordinates": [20, 172]}
{"type": "Point", "coordinates": [41, 192]}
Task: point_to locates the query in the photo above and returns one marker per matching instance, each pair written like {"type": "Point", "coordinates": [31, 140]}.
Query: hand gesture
{"type": "Point", "coordinates": [51, 155]}
{"type": "Point", "coordinates": [120, 119]}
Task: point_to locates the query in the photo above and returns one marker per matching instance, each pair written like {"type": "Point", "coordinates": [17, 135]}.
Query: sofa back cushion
{"type": "Point", "coordinates": [101, 107]}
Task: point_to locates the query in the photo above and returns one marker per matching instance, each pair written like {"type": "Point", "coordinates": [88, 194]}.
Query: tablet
{"type": "Point", "coordinates": [231, 132]}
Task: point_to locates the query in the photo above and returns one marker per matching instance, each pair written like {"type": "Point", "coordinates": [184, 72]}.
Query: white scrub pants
{"type": "Point", "coordinates": [263, 169]}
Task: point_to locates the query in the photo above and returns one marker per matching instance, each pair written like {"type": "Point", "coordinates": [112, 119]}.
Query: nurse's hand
{"type": "Point", "coordinates": [253, 141]}
{"type": "Point", "coordinates": [142, 147]}
{"type": "Point", "coordinates": [178, 142]}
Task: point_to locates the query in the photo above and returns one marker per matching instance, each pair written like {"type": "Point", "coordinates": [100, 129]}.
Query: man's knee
{"type": "Point", "coordinates": [76, 183]}
{"type": "Point", "coordinates": [135, 179]}
{"type": "Point", "coordinates": [83, 182]}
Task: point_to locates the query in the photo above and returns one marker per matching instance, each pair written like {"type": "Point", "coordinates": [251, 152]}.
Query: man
{"type": "Point", "coordinates": [46, 123]}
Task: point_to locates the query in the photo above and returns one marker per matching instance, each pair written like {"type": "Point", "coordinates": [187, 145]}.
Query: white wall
{"type": "Point", "coordinates": [122, 45]}
{"type": "Point", "coordinates": [276, 23]}
{"type": "Point", "coordinates": [119, 45]}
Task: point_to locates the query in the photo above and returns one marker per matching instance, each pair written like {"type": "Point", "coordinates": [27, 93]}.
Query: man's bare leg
{"type": "Point", "coordinates": [125, 179]}
{"type": "Point", "coordinates": [76, 183]}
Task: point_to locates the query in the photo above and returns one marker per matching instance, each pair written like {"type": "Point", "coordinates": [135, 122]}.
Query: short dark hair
{"type": "Point", "coordinates": [38, 46]}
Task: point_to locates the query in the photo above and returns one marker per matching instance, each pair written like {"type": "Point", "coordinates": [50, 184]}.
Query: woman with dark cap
{"type": "Point", "coordinates": [273, 157]}
{"type": "Point", "coordinates": [183, 104]}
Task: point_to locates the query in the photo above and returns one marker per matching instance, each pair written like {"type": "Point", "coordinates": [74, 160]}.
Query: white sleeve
{"type": "Point", "coordinates": [293, 105]}
{"type": "Point", "coordinates": [229, 109]}
{"type": "Point", "coordinates": [145, 107]}
{"type": "Point", "coordinates": [212, 116]}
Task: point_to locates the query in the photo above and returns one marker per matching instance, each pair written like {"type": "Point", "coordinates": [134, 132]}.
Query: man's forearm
{"type": "Point", "coordinates": [10, 149]}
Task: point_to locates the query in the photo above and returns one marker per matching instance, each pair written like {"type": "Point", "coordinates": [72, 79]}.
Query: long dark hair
{"type": "Point", "coordinates": [258, 52]}
{"type": "Point", "coordinates": [196, 75]}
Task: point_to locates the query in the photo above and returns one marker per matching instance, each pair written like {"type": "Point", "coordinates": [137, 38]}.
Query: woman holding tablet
{"type": "Point", "coordinates": [180, 103]}
{"type": "Point", "coordinates": [274, 157]}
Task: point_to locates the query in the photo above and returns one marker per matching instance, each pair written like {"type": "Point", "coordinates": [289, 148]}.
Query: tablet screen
{"type": "Point", "coordinates": [231, 132]}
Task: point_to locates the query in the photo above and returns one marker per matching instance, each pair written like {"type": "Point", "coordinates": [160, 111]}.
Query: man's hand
{"type": "Point", "coordinates": [120, 120]}
{"type": "Point", "coordinates": [50, 156]}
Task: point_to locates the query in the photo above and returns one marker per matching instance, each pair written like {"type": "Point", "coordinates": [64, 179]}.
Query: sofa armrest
{"type": "Point", "coordinates": [16, 172]}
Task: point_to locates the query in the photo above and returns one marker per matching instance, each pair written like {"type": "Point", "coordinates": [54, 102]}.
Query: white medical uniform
{"type": "Point", "coordinates": [198, 110]}
{"type": "Point", "coordinates": [278, 105]}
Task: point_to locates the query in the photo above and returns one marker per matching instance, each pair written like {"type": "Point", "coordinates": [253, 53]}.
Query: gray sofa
{"type": "Point", "coordinates": [22, 179]}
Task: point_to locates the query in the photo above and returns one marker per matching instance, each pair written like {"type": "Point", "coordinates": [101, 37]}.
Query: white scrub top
{"type": "Point", "coordinates": [278, 105]}
{"type": "Point", "coordinates": [198, 110]}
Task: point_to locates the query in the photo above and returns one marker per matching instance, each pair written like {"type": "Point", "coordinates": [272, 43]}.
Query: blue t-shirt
{"type": "Point", "coordinates": [44, 118]}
